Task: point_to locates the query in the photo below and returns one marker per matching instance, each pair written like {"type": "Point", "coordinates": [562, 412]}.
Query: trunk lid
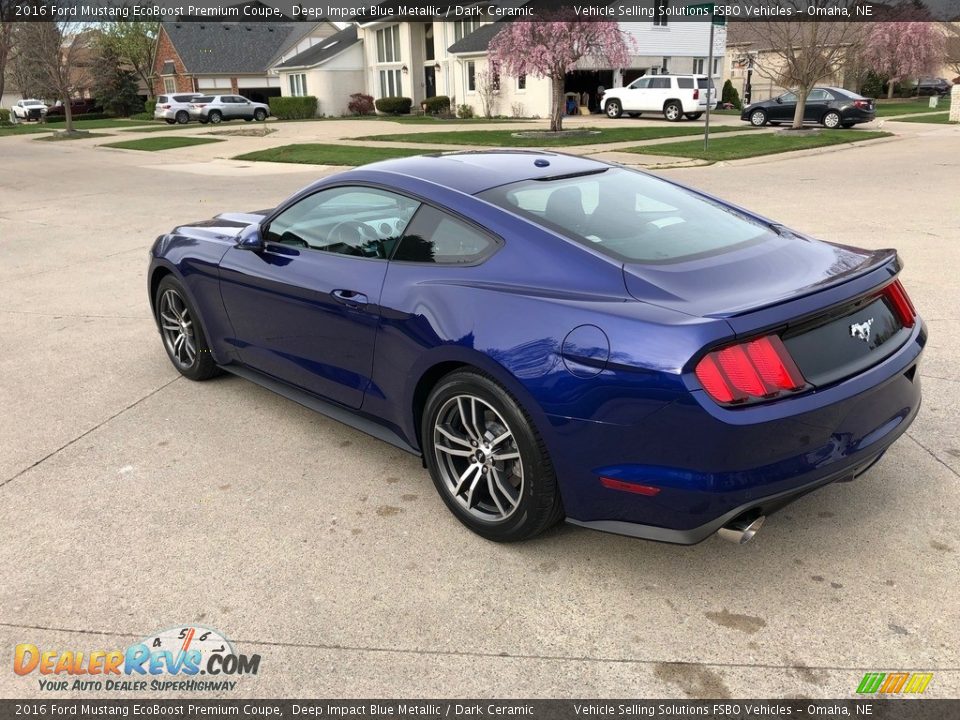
{"type": "Point", "coordinates": [775, 269]}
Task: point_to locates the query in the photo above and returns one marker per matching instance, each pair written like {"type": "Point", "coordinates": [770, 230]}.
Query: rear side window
{"type": "Point", "coordinates": [437, 237]}
{"type": "Point", "coordinates": [182, 98]}
{"type": "Point", "coordinates": [203, 99]}
{"type": "Point", "coordinates": [704, 83]}
{"type": "Point", "coordinates": [629, 216]}
{"type": "Point", "coordinates": [660, 83]}
{"type": "Point", "coordinates": [162, 98]}
{"type": "Point", "coordinates": [685, 83]}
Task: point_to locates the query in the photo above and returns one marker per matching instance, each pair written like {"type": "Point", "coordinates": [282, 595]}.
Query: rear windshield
{"type": "Point", "coordinates": [629, 216]}
{"type": "Point", "coordinates": [704, 83]}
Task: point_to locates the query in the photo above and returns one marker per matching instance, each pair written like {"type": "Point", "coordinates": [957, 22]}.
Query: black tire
{"type": "Point", "coordinates": [494, 514]}
{"type": "Point", "coordinates": [673, 111]}
{"type": "Point", "coordinates": [183, 117]}
{"type": "Point", "coordinates": [215, 117]}
{"type": "Point", "coordinates": [832, 120]}
{"type": "Point", "coordinates": [758, 118]}
{"type": "Point", "coordinates": [201, 365]}
{"type": "Point", "coordinates": [775, 123]}
{"type": "Point", "coordinates": [248, 119]}
{"type": "Point", "coordinates": [260, 115]}
{"type": "Point", "coordinates": [613, 109]}
{"type": "Point", "coordinates": [170, 122]}
{"type": "Point", "coordinates": [693, 116]}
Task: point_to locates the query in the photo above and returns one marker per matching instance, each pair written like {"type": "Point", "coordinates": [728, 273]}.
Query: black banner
{"type": "Point", "coordinates": [514, 10]}
{"type": "Point", "coordinates": [912, 709]}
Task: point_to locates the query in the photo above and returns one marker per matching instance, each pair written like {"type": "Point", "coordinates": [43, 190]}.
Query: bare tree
{"type": "Point", "coordinates": [133, 41]}
{"type": "Point", "coordinates": [801, 54]}
{"type": "Point", "coordinates": [488, 88]}
{"type": "Point", "coordinates": [7, 9]}
{"type": "Point", "coordinates": [54, 54]}
{"type": "Point", "coordinates": [951, 33]}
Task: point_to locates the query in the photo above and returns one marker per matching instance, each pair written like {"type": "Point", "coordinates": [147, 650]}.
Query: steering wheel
{"type": "Point", "coordinates": [348, 232]}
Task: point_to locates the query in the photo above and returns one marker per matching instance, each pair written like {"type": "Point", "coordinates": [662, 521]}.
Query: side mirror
{"type": "Point", "coordinates": [780, 101]}
{"type": "Point", "coordinates": [251, 239]}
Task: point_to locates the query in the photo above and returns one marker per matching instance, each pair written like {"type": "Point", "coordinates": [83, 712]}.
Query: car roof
{"type": "Point", "coordinates": [473, 171]}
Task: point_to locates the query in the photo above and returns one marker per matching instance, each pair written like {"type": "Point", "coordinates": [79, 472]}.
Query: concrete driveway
{"type": "Point", "coordinates": [132, 500]}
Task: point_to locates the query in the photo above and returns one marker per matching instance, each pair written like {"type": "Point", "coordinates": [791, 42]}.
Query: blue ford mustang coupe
{"type": "Point", "coordinates": [557, 337]}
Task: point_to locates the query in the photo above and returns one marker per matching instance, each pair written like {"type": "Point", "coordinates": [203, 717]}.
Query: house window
{"type": "Point", "coordinates": [665, 66]}
{"type": "Point", "coordinates": [390, 85]}
{"type": "Point", "coordinates": [698, 65]}
{"type": "Point", "coordinates": [521, 82]}
{"type": "Point", "coordinates": [660, 18]}
{"type": "Point", "coordinates": [388, 44]}
{"type": "Point", "coordinates": [169, 85]}
{"type": "Point", "coordinates": [716, 66]}
{"type": "Point", "coordinates": [298, 85]}
{"type": "Point", "coordinates": [462, 28]}
{"type": "Point", "coordinates": [471, 76]}
{"type": "Point", "coordinates": [428, 49]}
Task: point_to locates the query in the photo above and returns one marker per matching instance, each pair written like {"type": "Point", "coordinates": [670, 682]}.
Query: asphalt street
{"type": "Point", "coordinates": [132, 500]}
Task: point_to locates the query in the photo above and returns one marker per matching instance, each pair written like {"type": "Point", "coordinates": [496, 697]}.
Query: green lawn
{"type": "Point", "coordinates": [939, 118]}
{"type": "Point", "coordinates": [506, 138]}
{"type": "Point", "coordinates": [905, 107]}
{"type": "Point", "coordinates": [318, 154]}
{"type": "Point", "coordinates": [27, 128]}
{"type": "Point", "coordinates": [160, 143]}
{"type": "Point", "coordinates": [753, 146]}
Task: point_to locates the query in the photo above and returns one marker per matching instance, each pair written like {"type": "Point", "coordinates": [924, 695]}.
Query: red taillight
{"type": "Point", "coordinates": [760, 369]}
{"type": "Point", "coordinates": [696, 94]}
{"type": "Point", "coordinates": [164, 107]}
{"type": "Point", "coordinates": [863, 104]}
{"type": "Point", "coordinates": [614, 484]}
{"type": "Point", "coordinates": [898, 298]}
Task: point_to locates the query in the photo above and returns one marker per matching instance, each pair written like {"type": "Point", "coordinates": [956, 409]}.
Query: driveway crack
{"type": "Point", "coordinates": [87, 432]}
{"type": "Point", "coordinates": [933, 455]}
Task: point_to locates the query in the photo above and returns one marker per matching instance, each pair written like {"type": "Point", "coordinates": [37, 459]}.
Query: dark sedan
{"type": "Point", "coordinates": [828, 106]}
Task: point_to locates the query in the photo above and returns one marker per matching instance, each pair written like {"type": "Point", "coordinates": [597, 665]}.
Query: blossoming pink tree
{"type": "Point", "coordinates": [902, 50]}
{"type": "Point", "coordinates": [553, 48]}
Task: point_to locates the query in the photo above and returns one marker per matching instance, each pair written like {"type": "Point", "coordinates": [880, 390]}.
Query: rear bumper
{"type": "Point", "coordinates": [711, 464]}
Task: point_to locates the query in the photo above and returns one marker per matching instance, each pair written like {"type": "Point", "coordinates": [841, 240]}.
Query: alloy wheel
{"type": "Point", "coordinates": [672, 112]}
{"type": "Point", "coordinates": [176, 326]}
{"type": "Point", "coordinates": [478, 458]}
{"type": "Point", "coordinates": [831, 120]}
{"type": "Point", "coordinates": [758, 118]}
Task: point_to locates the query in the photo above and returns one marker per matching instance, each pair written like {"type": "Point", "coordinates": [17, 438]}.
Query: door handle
{"type": "Point", "coordinates": [350, 298]}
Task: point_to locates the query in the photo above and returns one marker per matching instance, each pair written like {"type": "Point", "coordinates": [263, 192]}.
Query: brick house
{"type": "Point", "coordinates": [229, 57]}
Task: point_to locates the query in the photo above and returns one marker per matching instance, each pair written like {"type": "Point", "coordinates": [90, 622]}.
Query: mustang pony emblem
{"type": "Point", "coordinates": [861, 331]}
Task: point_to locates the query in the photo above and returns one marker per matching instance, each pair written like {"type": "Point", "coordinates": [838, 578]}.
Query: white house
{"type": "Point", "coordinates": [330, 70]}
{"type": "Point", "coordinates": [437, 56]}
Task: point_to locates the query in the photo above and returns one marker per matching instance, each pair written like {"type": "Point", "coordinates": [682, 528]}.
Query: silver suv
{"type": "Point", "coordinates": [174, 108]}
{"type": "Point", "coordinates": [215, 108]}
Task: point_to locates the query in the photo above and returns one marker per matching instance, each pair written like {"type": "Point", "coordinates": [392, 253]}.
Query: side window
{"type": "Point", "coordinates": [685, 83]}
{"type": "Point", "coordinates": [660, 83]}
{"type": "Point", "coordinates": [360, 221]}
{"type": "Point", "coordinates": [788, 97]}
{"type": "Point", "coordinates": [436, 237]}
{"type": "Point", "coordinates": [640, 83]}
{"type": "Point", "coordinates": [818, 95]}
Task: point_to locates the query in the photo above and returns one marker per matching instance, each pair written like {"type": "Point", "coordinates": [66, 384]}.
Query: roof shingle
{"type": "Point", "coordinates": [220, 47]}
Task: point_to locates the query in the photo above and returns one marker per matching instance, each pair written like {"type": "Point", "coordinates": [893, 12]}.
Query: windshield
{"type": "Point", "coordinates": [629, 216]}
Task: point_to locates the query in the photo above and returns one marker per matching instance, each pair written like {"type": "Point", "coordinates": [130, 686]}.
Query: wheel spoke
{"type": "Point", "coordinates": [473, 416]}
{"type": "Point", "coordinates": [493, 494]}
{"type": "Point", "coordinates": [473, 487]}
{"type": "Point", "coordinates": [506, 493]}
{"type": "Point", "coordinates": [190, 349]}
{"type": "Point", "coordinates": [456, 452]}
{"type": "Point", "coordinates": [452, 437]}
{"type": "Point", "coordinates": [506, 456]}
{"type": "Point", "coordinates": [500, 438]}
{"type": "Point", "coordinates": [463, 420]}
{"type": "Point", "coordinates": [463, 478]}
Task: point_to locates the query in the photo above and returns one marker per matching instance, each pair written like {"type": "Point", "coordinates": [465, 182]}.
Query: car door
{"type": "Point", "coordinates": [816, 106]}
{"type": "Point", "coordinates": [305, 307]}
{"type": "Point", "coordinates": [244, 107]}
{"type": "Point", "coordinates": [632, 95]}
{"type": "Point", "coordinates": [784, 107]}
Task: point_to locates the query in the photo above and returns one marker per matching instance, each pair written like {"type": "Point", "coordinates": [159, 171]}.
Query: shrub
{"type": "Point", "coordinates": [294, 108]}
{"type": "Point", "coordinates": [82, 116]}
{"type": "Point", "coordinates": [438, 105]}
{"type": "Point", "coordinates": [4, 115]}
{"type": "Point", "coordinates": [394, 105]}
{"type": "Point", "coordinates": [731, 96]}
{"type": "Point", "coordinates": [360, 104]}
{"type": "Point", "coordinates": [149, 106]}
{"type": "Point", "coordinates": [518, 110]}
{"type": "Point", "coordinates": [465, 112]}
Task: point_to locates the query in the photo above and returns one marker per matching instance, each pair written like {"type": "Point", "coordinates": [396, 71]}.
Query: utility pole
{"type": "Point", "coordinates": [706, 132]}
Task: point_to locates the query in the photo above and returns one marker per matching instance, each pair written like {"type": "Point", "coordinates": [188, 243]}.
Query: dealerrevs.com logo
{"type": "Point", "coordinates": [184, 658]}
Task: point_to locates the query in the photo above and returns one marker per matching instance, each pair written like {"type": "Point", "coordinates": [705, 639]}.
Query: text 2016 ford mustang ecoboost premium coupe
{"type": "Point", "coordinates": [557, 337]}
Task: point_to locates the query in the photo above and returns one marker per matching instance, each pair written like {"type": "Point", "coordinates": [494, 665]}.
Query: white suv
{"type": "Point", "coordinates": [676, 96]}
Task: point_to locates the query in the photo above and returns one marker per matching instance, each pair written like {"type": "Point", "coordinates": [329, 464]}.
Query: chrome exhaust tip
{"type": "Point", "coordinates": [741, 530]}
